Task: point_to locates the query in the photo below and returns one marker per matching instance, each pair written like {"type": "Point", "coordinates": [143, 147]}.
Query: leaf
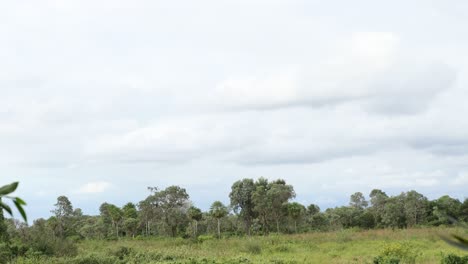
{"type": "Point", "coordinates": [20, 201]}
{"type": "Point", "coordinates": [6, 207]}
{"type": "Point", "coordinates": [462, 243]}
{"type": "Point", "coordinates": [7, 189]}
{"type": "Point", "coordinates": [460, 239]}
{"type": "Point", "coordinates": [20, 209]}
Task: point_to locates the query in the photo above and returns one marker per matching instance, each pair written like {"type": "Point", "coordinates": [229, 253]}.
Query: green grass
{"type": "Point", "coordinates": [347, 246]}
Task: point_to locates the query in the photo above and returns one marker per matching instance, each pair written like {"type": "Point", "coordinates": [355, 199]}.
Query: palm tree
{"type": "Point", "coordinates": [218, 210]}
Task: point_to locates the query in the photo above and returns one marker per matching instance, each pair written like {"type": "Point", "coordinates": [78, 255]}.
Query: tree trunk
{"type": "Point", "coordinates": [277, 226]}
{"type": "Point", "coordinates": [265, 225]}
{"type": "Point", "coordinates": [219, 229]}
{"type": "Point", "coordinates": [196, 228]}
{"type": "Point", "coordinates": [295, 226]}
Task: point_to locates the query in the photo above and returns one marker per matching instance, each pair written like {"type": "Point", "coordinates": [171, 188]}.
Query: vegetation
{"type": "Point", "coordinates": [5, 192]}
{"type": "Point", "coordinates": [167, 228]}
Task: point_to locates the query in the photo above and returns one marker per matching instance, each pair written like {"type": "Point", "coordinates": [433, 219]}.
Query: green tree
{"type": "Point", "coordinates": [415, 208]}
{"type": "Point", "coordinates": [116, 215]}
{"type": "Point", "coordinates": [171, 204]}
{"type": "Point", "coordinates": [63, 212]}
{"type": "Point", "coordinates": [261, 204]}
{"type": "Point", "coordinates": [112, 216]}
{"type": "Point", "coordinates": [394, 212]}
{"type": "Point", "coordinates": [295, 212]}
{"type": "Point", "coordinates": [130, 211]}
{"type": "Point", "coordinates": [278, 196]}
{"type": "Point", "coordinates": [242, 201]}
{"type": "Point", "coordinates": [195, 214]}
{"type": "Point", "coordinates": [313, 209]}
{"type": "Point", "coordinates": [445, 209]}
{"type": "Point", "coordinates": [358, 201]}
{"type": "Point", "coordinates": [464, 210]}
{"type": "Point", "coordinates": [130, 219]}
{"type": "Point", "coordinates": [270, 199]}
{"type": "Point", "coordinates": [218, 210]}
{"type": "Point", "coordinates": [377, 201]}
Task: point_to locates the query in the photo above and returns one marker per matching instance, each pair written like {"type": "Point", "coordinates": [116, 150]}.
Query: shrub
{"type": "Point", "coordinates": [122, 252]}
{"type": "Point", "coordinates": [65, 248]}
{"type": "Point", "coordinates": [393, 253]}
{"type": "Point", "coordinates": [94, 259]}
{"type": "Point", "coordinates": [253, 247]}
{"type": "Point", "coordinates": [454, 259]}
{"type": "Point", "coordinates": [386, 260]}
{"type": "Point", "coordinates": [204, 238]}
{"type": "Point", "coordinates": [5, 253]}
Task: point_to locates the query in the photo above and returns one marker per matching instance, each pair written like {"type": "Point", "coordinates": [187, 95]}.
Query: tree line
{"type": "Point", "coordinates": [256, 207]}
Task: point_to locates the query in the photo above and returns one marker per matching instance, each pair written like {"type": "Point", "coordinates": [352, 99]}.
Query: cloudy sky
{"type": "Point", "coordinates": [100, 99]}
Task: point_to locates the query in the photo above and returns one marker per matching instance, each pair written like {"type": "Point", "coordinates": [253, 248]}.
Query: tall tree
{"type": "Point", "coordinates": [377, 200]}
{"type": "Point", "coordinates": [218, 210]}
{"type": "Point", "coordinates": [270, 199]}
{"type": "Point", "coordinates": [242, 201]}
{"type": "Point", "coordinates": [394, 212]}
{"type": "Point", "coordinates": [358, 201]}
{"type": "Point", "coordinates": [313, 209]}
{"type": "Point", "coordinates": [111, 215]}
{"type": "Point", "coordinates": [415, 208]}
{"type": "Point", "coordinates": [130, 211]}
{"type": "Point", "coordinates": [63, 212]}
{"type": "Point", "coordinates": [195, 214]}
{"type": "Point", "coordinates": [295, 211]}
{"type": "Point", "coordinates": [464, 211]}
{"type": "Point", "coordinates": [278, 195]}
{"type": "Point", "coordinates": [445, 209]}
{"type": "Point", "coordinates": [261, 204]}
{"type": "Point", "coordinates": [172, 204]}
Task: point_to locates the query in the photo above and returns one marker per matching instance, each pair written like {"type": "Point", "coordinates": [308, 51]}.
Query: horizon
{"type": "Point", "coordinates": [100, 100]}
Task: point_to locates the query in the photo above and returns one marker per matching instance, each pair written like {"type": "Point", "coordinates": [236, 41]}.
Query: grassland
{"type": "Point", "coordinates": [346, 246]}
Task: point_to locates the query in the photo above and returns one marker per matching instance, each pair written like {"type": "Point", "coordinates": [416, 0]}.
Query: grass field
{"type": "Point", "coordinates": [347, 246]}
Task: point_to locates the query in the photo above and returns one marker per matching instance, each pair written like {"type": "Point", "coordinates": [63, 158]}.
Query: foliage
{"type": "Point", "coordinates": [242, 201]}
{"type": "Point", "coordinates": [397, 253]}
{"type": "Point", "coordinates": [5, 192]}
{"type": "Point", "coordinates": [253, 247]}
{"type": "Point", "coordinates": [258, 208]}
{"type": "Point", "coordinates": [454, 259]}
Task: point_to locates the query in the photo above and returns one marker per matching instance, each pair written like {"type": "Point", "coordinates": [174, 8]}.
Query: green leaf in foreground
{"type": "Point", "coordinates": [6, 207]}
{"type": "Point", "coordinates": [454, 239]}
{"type": "Point", "coordinates": [19, 203]}
{"type": "Point", "coordinates": [7, 189]}
{"type": "Point", "coordinates": [20, 208]}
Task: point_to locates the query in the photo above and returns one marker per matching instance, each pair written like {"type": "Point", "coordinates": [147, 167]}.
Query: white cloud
{"type": "Point", "coordinates": [151, 93]}
{"type": "Point", "coordinates": [94, 187]}
{"type": "Point", "coordinates": [461, 179]}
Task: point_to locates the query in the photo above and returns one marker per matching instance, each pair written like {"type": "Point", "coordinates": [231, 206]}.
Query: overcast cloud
{"type": "Point", "coordinates": [100, 99]}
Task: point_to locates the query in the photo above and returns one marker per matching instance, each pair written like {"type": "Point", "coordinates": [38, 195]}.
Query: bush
{"type": "Point", "coordinates": [253, 247]}
{"type": "Point", "coordinates": [94, 259]}
{"type": "Point", "coordinates": [394, 253]}
{"type": "Point", "coordinates": [65, 248]}
{"type": "Point", "coordinates": [204, 238]}
{"type": "Point", "coordinates": [122, 252]}
{"type": "Point", "coordinates": [386, 260]}
{"type": "Point", "coordinates": [5, 253]}
{"type": "Point", "coordinates": [454, 259]}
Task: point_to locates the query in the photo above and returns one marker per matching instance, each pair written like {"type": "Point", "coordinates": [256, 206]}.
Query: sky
{"type": "Point", "coordinates": [101, 99]}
